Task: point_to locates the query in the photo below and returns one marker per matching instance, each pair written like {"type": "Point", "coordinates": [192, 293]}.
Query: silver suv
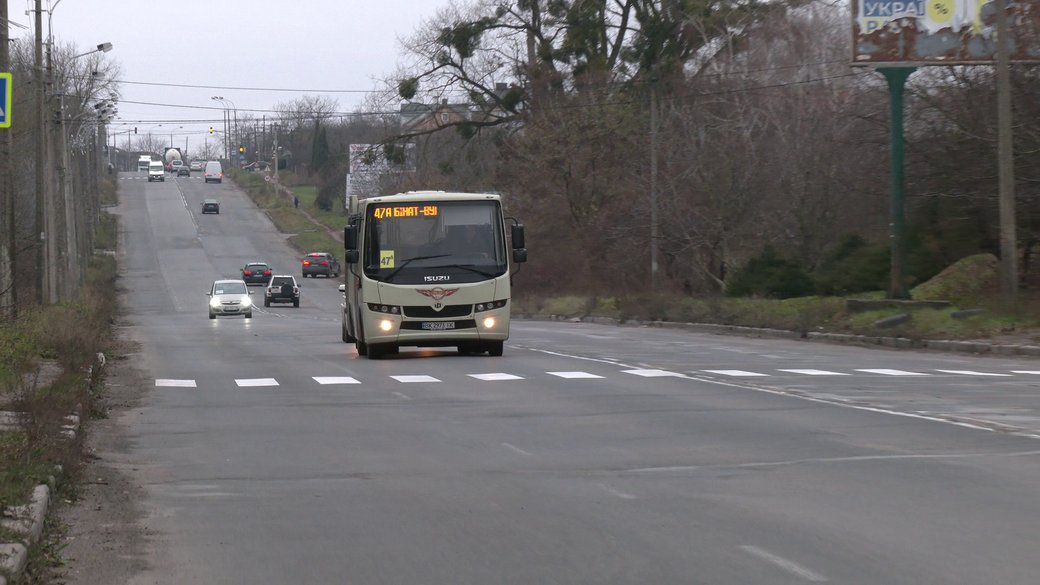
{"type": "Point", "coordinates": [282, 289]}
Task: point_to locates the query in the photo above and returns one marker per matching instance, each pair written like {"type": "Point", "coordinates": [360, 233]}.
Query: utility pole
{"type": "Point", "coordinates": [42, 292]}
{"type": "Point", "coordinates": [9, 245]}
{"type": "Point", "coordinates": [1005, 164]}
{"type": "Point", "coordinates": [654, 227]}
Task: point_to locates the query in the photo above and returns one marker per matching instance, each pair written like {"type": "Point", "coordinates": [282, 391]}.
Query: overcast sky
{"type": "Point", "coordinates": [295, 44]}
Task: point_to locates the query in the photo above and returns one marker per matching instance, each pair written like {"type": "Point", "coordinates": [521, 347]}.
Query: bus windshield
{"type": "Point", "coordinates": [450, 241]}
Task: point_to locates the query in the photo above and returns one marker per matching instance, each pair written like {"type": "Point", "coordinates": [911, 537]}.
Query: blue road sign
{"type": "Point", "coordinates": [5, 100]}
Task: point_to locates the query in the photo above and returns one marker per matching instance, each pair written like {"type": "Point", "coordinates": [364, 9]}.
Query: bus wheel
{"type": "Point", "coordinates": [494, 348]}
{"type": "Point", "coordinates": [362, 347]}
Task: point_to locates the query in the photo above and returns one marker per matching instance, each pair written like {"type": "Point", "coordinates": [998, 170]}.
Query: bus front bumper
{"type": "Point", "coordinates": [382, 328]}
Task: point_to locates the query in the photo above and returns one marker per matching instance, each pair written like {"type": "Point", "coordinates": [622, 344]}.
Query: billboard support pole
{"type": "Point", "coordinates": [896, 78]}
{"type": "Point", "coordinates": [1005, 164]}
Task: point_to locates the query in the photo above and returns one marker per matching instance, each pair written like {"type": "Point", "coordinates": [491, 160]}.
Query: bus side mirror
{"type": "Point", "coordinates": [350, 243]}
{"type": "Point", "coordinates": [519, 249]}
{"type": "Point", "coordinates": [517, 233]}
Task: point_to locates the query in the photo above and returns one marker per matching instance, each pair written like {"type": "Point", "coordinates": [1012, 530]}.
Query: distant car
{"type": "Point", "coordinates": [156, 172]}
{"type": "Point", "coordinates": [256, 273]}
{"type": "Point", "coordinates": [230, 297]}
{"type": "Point", "coordinates": [183, 171]}
{"type": "Point", "coordinates": [210, 206]}
{"type": "Point", "coordinates": [213, 172]}
{"type": "Point", "coordinates": [175, 165]}
{"type": "Point", "coordinates": [196, 165]}
{"type": "Point", "coordinates": [322, 263]}
{"type": "Point", "coordinates": [282, 288]}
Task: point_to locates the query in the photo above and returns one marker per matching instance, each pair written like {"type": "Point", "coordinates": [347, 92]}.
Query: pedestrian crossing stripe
{"type": "Point", "coordinates": [414, 379]}
{"type": "Point", "coordinates": [580, 375]}
{"type": "Point", "coordinates": [498, 376]}
{"type": "Point", "coordinates": [252, 382]}
{"type": "Point", "coordinates": [885, 372]}
{"type": "Point", "coordinates": [736, 373]}
{"type": "Point", "coordinates": [335, 380]}
{"type": "Point", "coordinates": [175, 383]}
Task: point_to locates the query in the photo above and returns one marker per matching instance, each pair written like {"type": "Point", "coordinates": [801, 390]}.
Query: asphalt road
{"type": "Point", "coordinates": [270, 452]}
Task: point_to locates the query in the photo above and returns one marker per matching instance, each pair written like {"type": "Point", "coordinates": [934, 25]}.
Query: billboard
{"type": "Point", "coordinates": [910, 33]}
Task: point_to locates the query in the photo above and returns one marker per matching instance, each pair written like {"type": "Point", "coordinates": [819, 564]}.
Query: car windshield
{"type": "Point", "coordinates": [256, 267]}
{"type": "Point", "coordinates": [410, 241]}
{"type": "Point", "coordinates": [229, 288]}
{"type": "Point", "coordinates": [278, 281]}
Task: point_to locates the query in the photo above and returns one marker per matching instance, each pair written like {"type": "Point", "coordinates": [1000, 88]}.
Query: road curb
{"type": "Point", "coordinates": [30, 519]}
{"type": "Point", "coordinates": [945, 345]}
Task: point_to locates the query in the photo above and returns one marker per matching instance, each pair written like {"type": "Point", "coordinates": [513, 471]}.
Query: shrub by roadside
{"type": "Point", "coordinates": [45, 356]}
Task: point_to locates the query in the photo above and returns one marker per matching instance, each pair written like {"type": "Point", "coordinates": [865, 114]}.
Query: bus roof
{"type": "Point", "coordinates": [432, 196]}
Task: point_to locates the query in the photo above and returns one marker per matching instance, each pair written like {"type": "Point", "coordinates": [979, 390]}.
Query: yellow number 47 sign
{"type": "Point", "coordinates": [5, 100]}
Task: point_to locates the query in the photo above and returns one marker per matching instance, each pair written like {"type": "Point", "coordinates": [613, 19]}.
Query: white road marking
{"type": "Point", "coordinates": [615, 492]}
{"type": "Point", "coordinates": [893, 372]}
{"type": "Point", "coordinates": [833, 401]}
{"type": "Point", "coordinates": [414, 379]}
{"type": "Point", "coordinates": [646, 373]}
{"type": "Point", "coordinates": [736, 373]}
{"type": "Point", "coordinates": [495, 376]}
{"type": "Point", "coordinates": [971, 373]}
{"type": "Point", "coordinates": [518, 450]}
{"type": "Point", "coordinates": [335, 380]}
{"type": "Point", "coordinates": [175, 383]}
{"type": "Point", "coordinates": [250, 382]}
{"type": "Point", "coordinates": [811, 460]}
{"type": "Point", "coordinates": [574, 375]}
{"type": "Point", "coordinates": [785, 564]}
{"type": "Point", "coordinates": [401, 396]}
{"type": "Point", "coordinates": [816, 372]}
{"type": "Point", "coordinates": [1033, 372]}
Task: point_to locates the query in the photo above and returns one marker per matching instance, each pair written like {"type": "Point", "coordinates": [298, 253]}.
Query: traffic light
{"type": "Point", "coordinates": [241, 149]}
{"type": "Point", "coordinates": [135, 129]}
{"type": "Point", "coordinates": [211, 129]}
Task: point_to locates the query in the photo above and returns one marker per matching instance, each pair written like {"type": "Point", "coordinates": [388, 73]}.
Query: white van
{"type": "Point", "coordinates": [143, 162]}
{"type": "Point", "coordinates": [213, 172]}
{"type": "Point", "coordinates": [156, 172]}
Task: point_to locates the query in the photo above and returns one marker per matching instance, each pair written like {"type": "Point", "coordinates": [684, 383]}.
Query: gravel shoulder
{"type": "Point", "coordinates": [103, 535]}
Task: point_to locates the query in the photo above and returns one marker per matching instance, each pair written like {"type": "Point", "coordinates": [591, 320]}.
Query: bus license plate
{"type": "Point", "coordinates": [435, 325]}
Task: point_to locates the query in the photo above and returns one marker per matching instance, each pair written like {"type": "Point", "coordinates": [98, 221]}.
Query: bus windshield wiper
{"type": "Point", "coordinates": [466, 267]}
{"type": "Point", "coordinates": [390, 276]}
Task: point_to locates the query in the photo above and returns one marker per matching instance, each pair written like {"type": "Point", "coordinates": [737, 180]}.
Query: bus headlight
{"type": "Point", "coordinates": [386, 325]}
{"type": "Point", "coordinates": [489, 323]}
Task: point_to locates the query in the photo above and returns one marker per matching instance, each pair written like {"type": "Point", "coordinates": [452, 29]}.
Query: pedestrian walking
{"type": "Point", "coordinates": [296, 201]}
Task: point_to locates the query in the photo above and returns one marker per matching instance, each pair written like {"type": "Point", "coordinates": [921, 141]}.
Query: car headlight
{"type": "Point", "coordinates": [214, 302]}
{"type": "Point", "coordinates": [247, 302]}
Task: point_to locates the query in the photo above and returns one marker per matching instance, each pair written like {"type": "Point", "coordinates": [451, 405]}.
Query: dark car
{"type": "Point", "coordinates": [211, 206]}
{"type": "Point", "coordinates": [282, 288]}
{"type": "Point", "coordinates": [322, 263]}
{"type": "Point", "coordinates": [256, 273]}
{"type": "Point", "coordinates": [183, 171]}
